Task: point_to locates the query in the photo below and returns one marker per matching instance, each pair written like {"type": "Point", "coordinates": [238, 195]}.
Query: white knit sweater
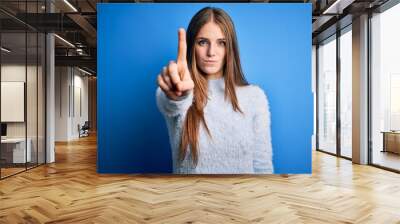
{"type": "Point", "coordinates": [240, 143]}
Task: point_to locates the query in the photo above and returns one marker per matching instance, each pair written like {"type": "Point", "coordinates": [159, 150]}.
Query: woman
{"type": "Point", "coordinates": [217, 122]}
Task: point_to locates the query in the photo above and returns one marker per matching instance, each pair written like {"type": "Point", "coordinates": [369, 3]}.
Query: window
{"type": "Point", "coordinates": [385, 88]}
{"type": "Point", "coordinates": [346, 92]}
{"type": "Point", "coordinates": [327, 95]}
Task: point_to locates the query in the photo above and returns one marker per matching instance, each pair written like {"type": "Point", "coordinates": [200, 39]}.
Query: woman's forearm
{"type": "Point", "coordinates": [172, 108]}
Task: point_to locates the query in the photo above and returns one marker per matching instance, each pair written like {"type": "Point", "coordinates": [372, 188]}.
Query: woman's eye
{"type": "Point", "coordinates": [202, 42]}
{"type": "Point", "coordinates": [222, 43]}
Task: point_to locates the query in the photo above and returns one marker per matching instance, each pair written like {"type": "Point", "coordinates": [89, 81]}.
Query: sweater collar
{"type": "Point", "coordinates": [216, 84]}
{"type": "Point", "coordinates": [217, 81]}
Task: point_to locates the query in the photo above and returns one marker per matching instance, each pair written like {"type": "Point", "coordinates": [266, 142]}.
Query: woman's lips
{"type": "Point", "coordinates": [210, 62]}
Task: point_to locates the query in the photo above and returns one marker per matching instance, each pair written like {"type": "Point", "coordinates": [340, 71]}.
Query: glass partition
{"type": "Point", "coordinates": [385, 89]}
{"type": "Point", "coordinates": [14, 153]}
{"type": "Point", "coordinates": [22, 88]}
{"type": "Point", "coordinates": [346, 92]}
{"type": "Point", "coordinates": [327, 95]}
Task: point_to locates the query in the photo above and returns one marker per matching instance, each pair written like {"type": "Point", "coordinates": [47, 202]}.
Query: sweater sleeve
{"type": "Point", "coordinates": [262, 154]}
{"type": "Point", "coordinates": [172, 108]}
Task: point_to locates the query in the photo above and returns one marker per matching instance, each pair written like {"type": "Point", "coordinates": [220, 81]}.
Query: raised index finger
{"type": "Point", "coordinates": [181, 46]}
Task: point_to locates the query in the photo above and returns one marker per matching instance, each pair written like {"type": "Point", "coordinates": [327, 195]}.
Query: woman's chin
{"type": "Point", "coordinates": [210, 71]}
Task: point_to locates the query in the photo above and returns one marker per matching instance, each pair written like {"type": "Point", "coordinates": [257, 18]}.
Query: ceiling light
{"type": "Point", "coordinates": [84, 71]}
{"type": "Point", "coordinates": [338, 6]}
{"type": "Point", "coordinates": [70, 5]}
{"type": "Point", "coordinates": [5, 50]}
{"type": "Point", "coordinates": [65, 41]}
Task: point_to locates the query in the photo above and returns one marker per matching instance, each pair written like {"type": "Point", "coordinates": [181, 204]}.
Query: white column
{"type": "Point", "coordinates": [360, 90]}
{"type": "Point", "coordinates": [50, 93]}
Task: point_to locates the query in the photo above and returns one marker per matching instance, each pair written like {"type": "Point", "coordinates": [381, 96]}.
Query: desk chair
{"type": "Point", "coordinates": [84, 130]}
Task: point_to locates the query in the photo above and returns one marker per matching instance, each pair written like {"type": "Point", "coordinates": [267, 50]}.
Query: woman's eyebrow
{"type": "Point", "coordinates": [205, 38]}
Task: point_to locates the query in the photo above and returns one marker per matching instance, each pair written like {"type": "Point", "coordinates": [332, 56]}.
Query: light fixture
{"type": "Point", "coordinates": [79, 51]}
{"type": "Point", "coordinates": [70, 5]}
{"type": "Point", "coordinates": [84, 71]}
{"type": "Point", "coordinates": [64, 40]}
{"type": "Point", "coordinates": [337, 7]}
{"type": "Point", "coordinates": [5, 50]}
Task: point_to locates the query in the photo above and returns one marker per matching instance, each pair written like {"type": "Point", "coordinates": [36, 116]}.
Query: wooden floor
{"type": "Point", "coordinates": [5, 172]}
{"type": "Point", "coordinates": [70, 191]}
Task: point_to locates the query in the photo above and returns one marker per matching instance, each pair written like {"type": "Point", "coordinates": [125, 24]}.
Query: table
{"type": "Point", "coordinates": [391, 141]}
{"type": "Point", "coordinates": [13, 150]}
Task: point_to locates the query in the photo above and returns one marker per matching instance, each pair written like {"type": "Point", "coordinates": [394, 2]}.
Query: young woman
{"type": "Point", "coordinates": [217, 122]}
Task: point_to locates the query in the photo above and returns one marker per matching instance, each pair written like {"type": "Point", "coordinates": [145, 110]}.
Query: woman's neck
{"type": "Point", "coordinates": [217, 75]}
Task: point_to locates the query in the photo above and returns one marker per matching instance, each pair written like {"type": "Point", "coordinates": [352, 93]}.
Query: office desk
{"type": "Point", "coordinates": [391, 141]}
{"type": "Point", "coordinates": [13, 150]}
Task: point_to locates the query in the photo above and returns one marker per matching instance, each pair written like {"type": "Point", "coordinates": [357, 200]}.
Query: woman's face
{"type": "Point", "coordinates": [210, 48]}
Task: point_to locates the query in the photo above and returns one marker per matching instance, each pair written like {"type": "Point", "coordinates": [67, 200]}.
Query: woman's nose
{"type": "Point", "coordinates": [211, 50]}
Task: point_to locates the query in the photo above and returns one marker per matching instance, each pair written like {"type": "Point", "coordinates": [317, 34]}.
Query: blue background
{"type": "Point", "coordinates": [136, 40]}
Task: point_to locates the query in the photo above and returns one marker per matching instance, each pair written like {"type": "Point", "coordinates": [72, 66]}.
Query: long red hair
{"type": "Point", "coordinates": [232, 72]}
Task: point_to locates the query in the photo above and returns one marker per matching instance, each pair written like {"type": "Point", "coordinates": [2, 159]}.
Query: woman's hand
{"type": "Point", "coordinates": [175, 79]}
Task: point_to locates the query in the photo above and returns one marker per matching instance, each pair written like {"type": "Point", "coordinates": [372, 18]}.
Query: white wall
{"type": "Point", "coordinates": [33, 127]}
{"type": "Point", "coordinates": [71, 92]}
{"type": "Point", "coordinates": [16, 72]}
{"type": "Point", "coordinates": [62, 81]}
{"type": "Point", "coordinates": [79, 102]}
{"type": "Point", "coordinates": [12, 73]}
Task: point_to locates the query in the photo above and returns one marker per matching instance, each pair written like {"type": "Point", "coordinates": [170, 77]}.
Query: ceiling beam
{"type": "Point", "coordinates": [83, 61]}
{"type": "Point", "coordinates": [86, 26]}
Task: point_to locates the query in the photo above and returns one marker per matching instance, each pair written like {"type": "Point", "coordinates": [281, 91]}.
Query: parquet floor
{"type": "Point", "coordinates": [10, 171]}
{"type": "Point", "coordinates": [70, 191]}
